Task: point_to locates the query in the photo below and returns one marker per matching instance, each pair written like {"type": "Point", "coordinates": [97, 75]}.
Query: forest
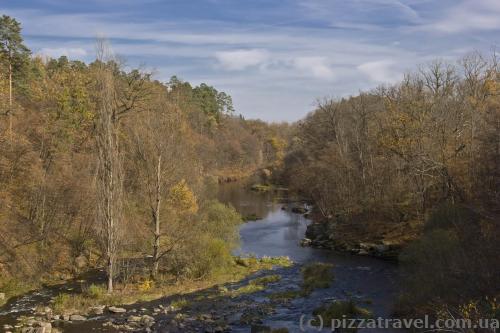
{"type": "Point", "coordinates": [103, 166]}
{"type": "Point", "coordinates": [412, 170]}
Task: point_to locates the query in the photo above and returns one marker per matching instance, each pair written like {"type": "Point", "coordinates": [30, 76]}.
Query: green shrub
{"type": "Point", "coordinates": [180, 304]}
{"type": "Point", "coordinates": [316, 275]}
{"type": "Point", "coordinates": [96, 291]}
{"type": "Point", "coordinates": [339, 310]}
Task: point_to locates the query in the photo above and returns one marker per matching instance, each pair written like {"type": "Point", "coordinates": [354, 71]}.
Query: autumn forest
{"type": "Point", "coordinates": [106, 170]}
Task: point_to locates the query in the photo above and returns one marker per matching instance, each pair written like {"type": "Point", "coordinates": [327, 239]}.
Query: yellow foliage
{"type": "Point", "coordinates": [182, 199]}
{"type": "Point", "coordinates": [146, 285]}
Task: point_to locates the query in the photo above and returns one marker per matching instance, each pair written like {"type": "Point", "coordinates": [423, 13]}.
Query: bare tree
{"type": "Point", "coordinates": [160, 148]}
{"type": "Point", "coordinates": [109, 176]}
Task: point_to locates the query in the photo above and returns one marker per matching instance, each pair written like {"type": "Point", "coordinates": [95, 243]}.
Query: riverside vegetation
{"type": "Point", "coordinates": [104, 167]}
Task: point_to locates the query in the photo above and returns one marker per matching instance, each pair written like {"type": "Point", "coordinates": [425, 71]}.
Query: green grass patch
{"type": "Point", "coordinates": [261, 188]}
{"type": "Point", "coordinates": [339, 310]}
{"type": "Point", "coordinates": [263, 263]}
{"type": "Point", "coordinates": [247, 289]}
{"type": "Point", "coordinates": [13, 288]}
{"type": "Point", "coordinates": [286, 295]}
{"type": "Point", "coordinates": [316, 276]}
{"type": "Point", "coordinates": [265, 280]}
{"type": "Point", "coordinates": [180, 304]}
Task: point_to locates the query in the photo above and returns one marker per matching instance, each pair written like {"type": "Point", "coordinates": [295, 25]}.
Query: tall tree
{"type": "Point", "coordinates": [12, 52]}
{"type": "Point", "coordinates": [118, 94]}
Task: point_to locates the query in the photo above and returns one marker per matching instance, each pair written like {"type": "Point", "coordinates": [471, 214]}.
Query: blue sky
{"type": "Point", "coordinates": [275, 57]}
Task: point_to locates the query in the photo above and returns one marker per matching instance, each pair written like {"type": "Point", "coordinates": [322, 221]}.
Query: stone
{"type": "Point", "coordinates": [2, 296]}
{"type": "Point", "coordinates": [305, 242]}
{"type": "Point", "coordinates": [115, 309]}
{"type": "Point", "coordinates": [134, 319]}
{"type": "Point", "coordinates": [76, 317]}
{"type": "Point", "coordinates": [65, 317]}
{"type": "Point", "coordinates": [147, 321]}
{"type": "Point", "coordinates": [7, 327]}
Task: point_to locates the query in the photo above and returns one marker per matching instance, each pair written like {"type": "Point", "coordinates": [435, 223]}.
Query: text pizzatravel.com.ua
{"type": "Point", "coordinates": [308, 323]}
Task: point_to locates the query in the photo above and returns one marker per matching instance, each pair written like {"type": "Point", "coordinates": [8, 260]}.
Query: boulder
{"type": "Point", "coordinates": [305, 242]}
{"type": "Point", "coordinates": [115, 309]}
{"type": "Point", "coordinates": [134, 319]}
{"type": "Point", "coordinates": [147, 321]}
{"type": "Point", "coordinates": [76, 317]}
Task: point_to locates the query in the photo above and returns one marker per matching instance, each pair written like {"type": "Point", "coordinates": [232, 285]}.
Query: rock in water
{"type": "Point", "coordinates": [76, 317]}
{"type": "Point", "coordinates": [114, 309]}
{"type": "Point", "coordinates": [305, 242]}
{"type": "Point", "coordinates": [260, 329]}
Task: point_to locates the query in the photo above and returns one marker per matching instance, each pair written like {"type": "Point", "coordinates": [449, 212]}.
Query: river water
{"type": "Point", "coordinates": [370, 282]}
{"type": "Point", "coordinates": [278, 233]}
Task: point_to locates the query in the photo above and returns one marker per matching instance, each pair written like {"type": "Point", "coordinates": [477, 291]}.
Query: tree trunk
{"type": "Point", "coordinates": [156, 217]}
{"type": "Point", "coordinates": [110, 272]}
{"type": "Point", "coordinates": [10, 101]}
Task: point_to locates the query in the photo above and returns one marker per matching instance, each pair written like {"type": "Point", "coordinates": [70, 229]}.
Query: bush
{"type": "Point", "coordinates": [96, 291]}
{"type": "Point", "coordinates": [339, 310]}
{"type": "Point", "coordinates": [265, 280]}
{"type": "Point", "coordinates": [316, 275]}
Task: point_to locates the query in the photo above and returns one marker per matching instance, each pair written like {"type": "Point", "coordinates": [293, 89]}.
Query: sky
{"type": "Point", "coordinates": [276, 58]}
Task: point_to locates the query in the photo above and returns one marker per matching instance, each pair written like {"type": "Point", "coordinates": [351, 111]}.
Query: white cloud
{"type": "Point", "coordinates": [315, 66]}
{"type": "Point", "coordinates": [70, 52]}
{"type": "Point", "coordinates": [380, 71]}
{"type": "Point", "coordinates": [241, 59]}
{"type": "Point", "coordinates": [469, 15]}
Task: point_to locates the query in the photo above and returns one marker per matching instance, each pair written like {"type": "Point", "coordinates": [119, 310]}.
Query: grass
{"type": "Point", "coordinates": [341, 309]}
{"type": "Point", "coordinates": [256, 285]}
{"type": "Point", "coordinates": [180, 304]}
{"type": "Point", "coordinates": [251, 217]}
{"type": "Point", "coordinates": [247, 289]}
{"type": "Point", "coordinates": [264, 262]}
{"type": "Point", "coordinates": [316, 276]}
{"type": "Point", "coordinates": [14, 287]}
{"type": "Point", "coordinates": [95, 295]}
{"type": "Point", "coordinates": [265, 280]}
{"type": "Point", "coordinates": [261, 188]}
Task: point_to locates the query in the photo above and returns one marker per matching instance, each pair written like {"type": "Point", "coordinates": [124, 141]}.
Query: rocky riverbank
{"type": "Point", "coordinates": [381, 240]}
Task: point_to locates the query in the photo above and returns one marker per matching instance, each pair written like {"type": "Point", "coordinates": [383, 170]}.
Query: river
{"type": "Point", "coordinates": [279, 233]}
{"type": "Point", "coordinates": [369, 281]}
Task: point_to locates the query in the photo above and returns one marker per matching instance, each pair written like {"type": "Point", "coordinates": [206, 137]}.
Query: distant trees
{"type": "Point", "coordinates": [417, 158]}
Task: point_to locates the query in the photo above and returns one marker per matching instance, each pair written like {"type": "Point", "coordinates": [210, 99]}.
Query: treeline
{"type": "Point", "coordinates": [417, 162]}
{"type": "Point", "coordinates": [101, 165]}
